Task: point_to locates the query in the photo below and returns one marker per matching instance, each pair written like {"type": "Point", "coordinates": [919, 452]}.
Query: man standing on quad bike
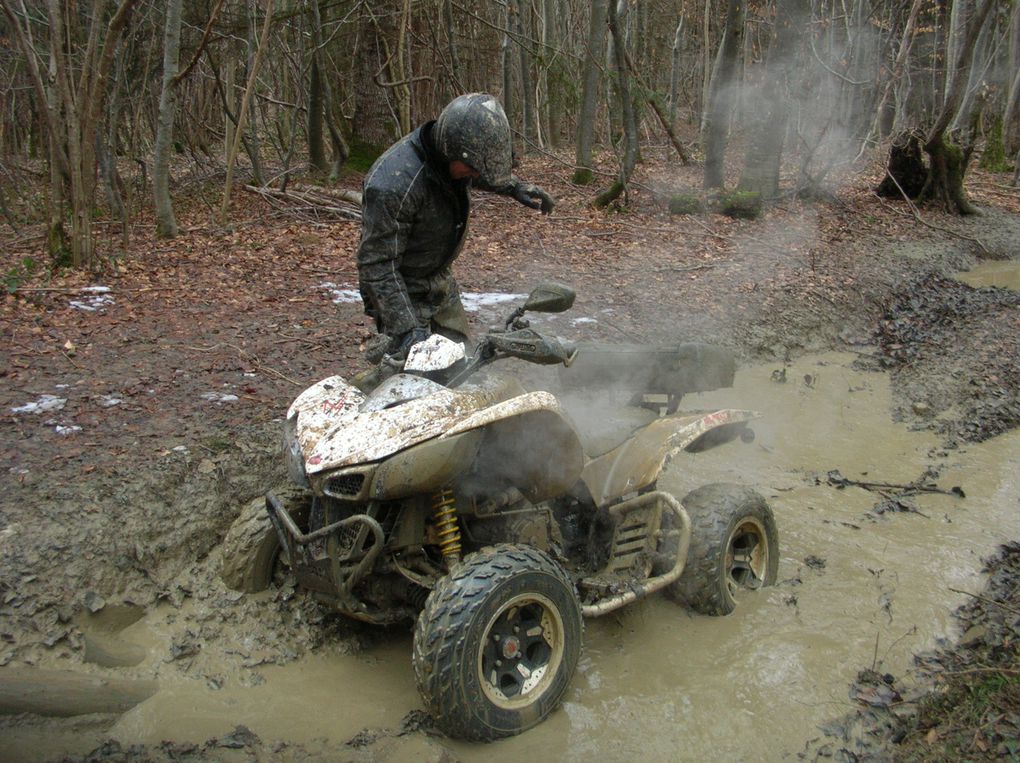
{"type": "Point", "coordinates": [415, 209]}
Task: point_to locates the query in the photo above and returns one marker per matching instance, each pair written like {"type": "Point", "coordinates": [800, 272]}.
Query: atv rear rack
{"type": "Point", "coordinates": [639, 536]}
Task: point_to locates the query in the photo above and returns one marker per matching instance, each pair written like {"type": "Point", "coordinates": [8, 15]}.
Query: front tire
{"type": "Point", "coordinates": [251, 548]}
{"type": "Point", "coordinates": [734, 547]}
{"type": "Point", "coordinates": [497, 643]}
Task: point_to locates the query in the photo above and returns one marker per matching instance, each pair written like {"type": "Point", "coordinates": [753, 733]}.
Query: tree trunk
{"type": "Point", "coordinates": [765, 146]}
{"type": "Point", "coordinates": [527, 92]}
{"type": "Point", "coordinates": [1011, 115]}
{"type": "Point", "coordinates": [243, 110]}
{"type": "Point", "coordinates": [506, 65]}
{"type": "Point", "coordinates": [403, 79]}
{"type": "Point", "coordinates": [884, 126]}
{"type": "Point", "coordinates": [947, 162]}
{"type": "Point", "coordinates": [316, 146]}
{"type": "Point", "coordinates": [325, 96]}
{"type": "Point", "coordinates": [630, 137]}
{"type": "Point", "coordinates": [82, 106]}
{"type": "Point", "coordinates": [552, 73]}
{"type": "Point", "coordinates": [250, 135]}
{"type": "Point", "coordinates": [716, 124]}
{"type": "Point", "coordinates": [706, 61]}
{"type": "Point", "coordinates": [56, 235]}
{"type": "Point", "coordinates": [166, 223]}
{"type": "Point", "coordinates": [946, 169]}
{"type": "Point", "coordinates": [674, 77]}
{"type": "Point", "coordinates": [49, 106]}
{"type": "Point", "coordinates": [451, 43]}
{"type": "Point", "coordinates": [589, 92]}
{"type": "Point", "coordinates": [984, 49]}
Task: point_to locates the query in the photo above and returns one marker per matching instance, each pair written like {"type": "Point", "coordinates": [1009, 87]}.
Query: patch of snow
{"type": "Point", "coordinates": [180, 449]}
{"type": "Point", "coordinates": [473, 301]}
{"type": "Point", "coordinates": [66, 430]}
{"type": "Point", "coordinates": [219, 397]}
{"type": "Point", "coordinates": [108, 401]}
{"type": "Point", "coordinates": [97, 301]}
{"type": "Point", "coordinates": [579, 321]}
{"type": "Point", "coordinates": [44, 403]}
{"type": "Point", "coordinates": [340, 295]}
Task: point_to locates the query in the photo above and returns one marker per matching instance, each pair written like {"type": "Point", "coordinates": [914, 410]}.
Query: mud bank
{"type": "Point", "coordinates": [962, 702]}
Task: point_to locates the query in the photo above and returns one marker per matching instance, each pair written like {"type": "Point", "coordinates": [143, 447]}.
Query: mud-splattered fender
{"type": "Point", "coordinates": [637, 462]}
{"type": "Point", "coordinates": [336, 430]}
{"type": "Point", "coordinates": [515, 406]}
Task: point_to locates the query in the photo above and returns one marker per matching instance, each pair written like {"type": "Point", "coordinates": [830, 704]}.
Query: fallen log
{"type": "Point", "coordinates": [64, 693]}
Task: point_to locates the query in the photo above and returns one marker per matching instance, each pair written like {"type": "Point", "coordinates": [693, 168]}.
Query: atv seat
{"type": "Point", "coordinates": [650, 369]}
{"type": "Point", "coordinates": [602, 427]}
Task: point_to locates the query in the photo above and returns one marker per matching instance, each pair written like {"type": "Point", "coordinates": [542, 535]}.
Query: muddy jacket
{"type": "Point", "coordinates": [414, 217]}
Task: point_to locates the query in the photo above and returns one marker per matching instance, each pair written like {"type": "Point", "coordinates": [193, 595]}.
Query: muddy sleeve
{"type": "Point", "coordinates": [527, 194]}
{"type": "Point", "coordinates": [502, 190]}
{"type": "Point", "coordinates": [385, 228]}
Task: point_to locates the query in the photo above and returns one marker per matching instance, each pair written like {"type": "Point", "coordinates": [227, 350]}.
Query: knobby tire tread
{"type": "Point", "coordinates": [443, 627]}
{"type": "Point", "coordinates": [712, 509]}
{"type": "Point", "coordinates": [251, 544]}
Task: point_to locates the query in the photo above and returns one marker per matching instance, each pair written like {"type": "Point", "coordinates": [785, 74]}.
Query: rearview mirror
{"type": "Point", "coordinates": [550, 298]}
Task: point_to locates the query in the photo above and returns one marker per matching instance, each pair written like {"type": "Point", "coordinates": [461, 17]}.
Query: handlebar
{"type": "Point", "coordinates": [528, 344]}
{"type": "Point", "coordinates": [524, 343]}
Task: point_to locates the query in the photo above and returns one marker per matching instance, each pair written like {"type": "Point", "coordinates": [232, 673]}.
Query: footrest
{"type": "Point", "coordinates": [635, 540]}
{"type": "Point", "coordinates": [639, 534]}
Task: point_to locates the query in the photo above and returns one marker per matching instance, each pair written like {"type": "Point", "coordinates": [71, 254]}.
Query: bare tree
{"type": "Point", "coordinates": [947, 161]}
{"type": "Point", "coordinates": [630, 136]}
{"type": "Point", "coordinates": [674, 77]}
{"type": "Point", "coordinates": [721, 95]}
{"type": "Point", "coordinates": [166, 222]}
{"type": "Point", "coordinates": [242, 113]}
{"type": "Point", "coordinates": [590, 91]}
{"type": "Point", "coordinates": [74, 93]}
{"type": "Point", "coordinates": [765, 144]}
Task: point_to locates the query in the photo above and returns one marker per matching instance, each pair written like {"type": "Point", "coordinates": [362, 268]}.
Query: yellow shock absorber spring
{"type": "Point", "coordinates": [444, 512]}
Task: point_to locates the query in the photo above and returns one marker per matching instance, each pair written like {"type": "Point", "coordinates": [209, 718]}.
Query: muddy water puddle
{"type": "Point", "coordinates": [1002, 273]}
{"type": "Point", "coordinates": [856, 590]}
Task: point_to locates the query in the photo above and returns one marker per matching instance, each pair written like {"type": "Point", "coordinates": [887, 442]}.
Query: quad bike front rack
{"type": "Point", "coordinates": [639, 536]}
{"type": "Point", "coordinates": [330, 575]}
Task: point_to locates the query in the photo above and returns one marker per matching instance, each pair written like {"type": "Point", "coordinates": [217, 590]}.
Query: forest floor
{"type": "Point", "coordinates": [141, 403]}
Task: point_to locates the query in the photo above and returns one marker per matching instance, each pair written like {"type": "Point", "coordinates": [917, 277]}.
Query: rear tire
{"type": "Point", "coordinates": [734, 547]}
{"type": "Point", "coordinates": [251, 548]}
{"type": "Point", "coordinates": [497, 643]}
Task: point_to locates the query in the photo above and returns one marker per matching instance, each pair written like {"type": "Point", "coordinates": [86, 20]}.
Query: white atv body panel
{"type": "Point", "coordinates": [337, 426]}
{"type": "Point", "coordinates": [436, 353]}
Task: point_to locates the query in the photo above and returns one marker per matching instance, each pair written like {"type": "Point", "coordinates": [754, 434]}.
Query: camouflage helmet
{"type": "Point", "coordinates": [473, 128]}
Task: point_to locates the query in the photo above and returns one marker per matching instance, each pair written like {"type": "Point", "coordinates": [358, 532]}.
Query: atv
{"type": "Point", "coordinates": [495, 518]}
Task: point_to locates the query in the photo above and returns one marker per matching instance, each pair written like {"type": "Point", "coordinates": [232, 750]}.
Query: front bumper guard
{"type": "Point", "coordinates": [352, 547]}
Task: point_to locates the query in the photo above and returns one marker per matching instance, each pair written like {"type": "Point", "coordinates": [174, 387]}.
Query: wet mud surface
{"type": "Point", "coordinates": [965, 706]}
{"type": "Point", "coordinates": [110, 533]}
